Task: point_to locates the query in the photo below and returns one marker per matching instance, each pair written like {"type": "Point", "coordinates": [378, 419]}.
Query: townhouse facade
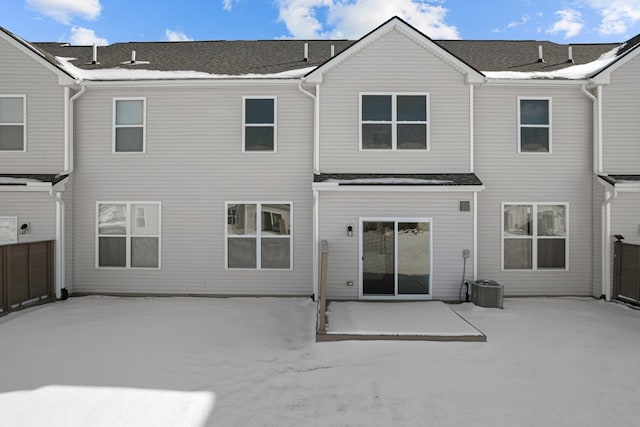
{"type": "Point", "coordinates": [216, 168]}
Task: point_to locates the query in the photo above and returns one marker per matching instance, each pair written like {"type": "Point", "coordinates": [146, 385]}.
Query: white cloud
{"type": "Point", "coordinates": [176, 36]}
{"type": "Point", "coordinates": [227, 4]}
{"type": "Point", "coordinates": [85, 36]}
{"type": "Point", "coordinates": [354, 18]}
{"type": "Point", "coordinates": [570, 23]}
{"type": "Point", "coordinates": [64, 10]}
{"type": "Point", "coordinates": [618, 16]}
{"type": "Point", "coordinates": [522, 21]}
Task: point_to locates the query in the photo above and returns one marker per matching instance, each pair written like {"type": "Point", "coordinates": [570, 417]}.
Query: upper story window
{"type": "Point", "coordinates": [259, 235]}
{"type": "Point", "coordinates": [394, 121]}
{"type": "Point", "coordinates": [534, 125]}
{"type": "Point", "coordinates": [259, 124]}
{"type": "Point", "coordinates": [13, 123]}
{"type": "Point", "coordinates": [129, 133]}
{"type": "Point", "coordinates": [535, 236]}
{"type": "Point", "coordinates": [128, 235]}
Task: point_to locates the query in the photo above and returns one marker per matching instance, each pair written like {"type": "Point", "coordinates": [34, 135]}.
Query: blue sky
{"type": "Point", "coordinates": [110, 21]}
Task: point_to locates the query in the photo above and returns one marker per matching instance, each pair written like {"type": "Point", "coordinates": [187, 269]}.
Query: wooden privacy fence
{"type": "Point", "coordinates": [626, 272]}
{"type": "Point", "coordinates": [26, 275]}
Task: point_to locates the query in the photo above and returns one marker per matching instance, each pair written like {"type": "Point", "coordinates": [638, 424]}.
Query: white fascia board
{"type": "Point", "coordinates": [193, 82]}
{"type": "Point", "coordinates": [44, 187]}
{"type": "Point", "coordinates": [535, 82]}
{"type": "Point", "coordinates": [472, 75]}
{"type": "Point", "coordinates": [334, 186]}
{"type": "Point", "coordinates": [64, 79]}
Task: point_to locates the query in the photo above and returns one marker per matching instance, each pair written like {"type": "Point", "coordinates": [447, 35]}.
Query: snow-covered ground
{"type": "Point", "coordinates": [254, 362]}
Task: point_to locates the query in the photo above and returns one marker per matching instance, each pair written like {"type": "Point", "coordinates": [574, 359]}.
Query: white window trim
{"type": "Point", "coordinates": [549, 126]}
{"type": "Point", "coordinates": [144, 125]}
{"type": "Point", "coordinates": [23, 123]}
{"type": "Point", "coordinates": [128, 235]}
{"type": "Point", "coordinates": [396, 296]}
{"type": "Point", "coordinates": [534, 237]}
{"type": "Point", "coordinates": [274, 125]}
{"type": "Point", "coordinates": [258, 235]}
{"type": "Point", "coordinates": [394, 121]}
{"type": "Point", "coordinates": [14, 220]}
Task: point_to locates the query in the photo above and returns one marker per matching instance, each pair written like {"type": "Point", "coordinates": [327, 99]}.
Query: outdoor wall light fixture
{"type": "Point", "coordinates": [23, 228]}
{"type": "Point", "coordinates": [349, 230]}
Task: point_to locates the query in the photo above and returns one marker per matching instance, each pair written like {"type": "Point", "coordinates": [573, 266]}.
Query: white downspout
{"type": "Point", "coordinates": [316, 126]}
{"type": "Point", "coordinates": [600, 142]}
{"type": "Point", "coordinates": [316, 232]}
{"type": "Point", "coordinates": [596, 113]}
{"type": "Point", "coordinates": [59, 246]}
{"type": "Point", "coordinates": [475, 236]}
{"type": "Point", "coordinates": [68, 128]}
{"type": "Point", "coordinates": [471, 132]}
{"type": "Point", "coordinates": [605, 240]}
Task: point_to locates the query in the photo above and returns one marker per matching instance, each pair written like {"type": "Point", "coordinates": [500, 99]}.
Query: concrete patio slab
{"type": "Point", "coordinates": [420, 320]}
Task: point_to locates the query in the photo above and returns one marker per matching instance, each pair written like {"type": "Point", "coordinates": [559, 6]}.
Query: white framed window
{"type": "Point", "coordinates": [535, 236]}
{"type": "Point", "coordinates": [534, 125]}
{"type": "Point", "coordinates": [394, 121]}
{"type": "Point", "coordinates": [128, 234]}
{"type": "Point", "coordinates": [259, 235]}
{"type": "Point", "coordinates": [8, 230]}
{"type": "Point", "coordinates": [259, 129]}
{"type": "Point", "coordinates": [129, 125]}
{"type": "Point", "coordinates": [13, 123]}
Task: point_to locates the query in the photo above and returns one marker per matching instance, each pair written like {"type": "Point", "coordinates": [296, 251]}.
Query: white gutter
{"type": "Point", "coordinates": [471, 130]}
{"type": "Point", "coordinates": [334, 186]}
{"type": "Point", "coordinates": [316, 125]}
{"type": "Point", "coordinates": [596, 114]}
{"type": "Point", "coordinates": [68, 128]}
{"type": "Point", "coordinates": [605, 241]}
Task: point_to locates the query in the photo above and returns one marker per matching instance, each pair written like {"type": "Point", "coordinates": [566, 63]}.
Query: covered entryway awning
{"type": "Point", "coordinates": [427, 181]}
{"type": "Point", "coordinates": [394, 236]}
{"type": "Point", "coordinates": [32, 182]}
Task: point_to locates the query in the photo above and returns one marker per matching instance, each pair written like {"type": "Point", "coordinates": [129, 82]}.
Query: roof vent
{"type": "Point", "coordinates": [540, 57]}
{"type": "Point", "coordinates": [95, 54]}
{"type": "Point", "coordinates": [333, 51]}
{"type": "Point", "coordinates": [306, 52]}
{"type": "Point", "coordinates": [570, 58]}
{"type": "Point", "coordinates": [133, 56]}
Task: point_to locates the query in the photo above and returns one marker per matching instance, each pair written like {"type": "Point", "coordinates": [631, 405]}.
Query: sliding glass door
{"type": "Point", "coordinates": [395, 258]}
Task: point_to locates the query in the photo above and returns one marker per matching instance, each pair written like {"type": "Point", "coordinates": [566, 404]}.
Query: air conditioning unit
{"type": "Point", "coordinates": [487, 293]}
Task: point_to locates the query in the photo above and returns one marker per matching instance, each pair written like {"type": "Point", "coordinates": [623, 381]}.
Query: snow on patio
{"type": "Point", "coordinates": [427, 320]}
{"type": "Point", "coordinates": [254, 362]}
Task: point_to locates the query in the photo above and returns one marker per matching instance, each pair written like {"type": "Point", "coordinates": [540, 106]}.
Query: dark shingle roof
{"type": "Point", "coordinates": [431, 179]}
{"type": "Point", "coordinates": [522, 55]}
{"type": "Point", "coordinates": [274, 56]}
{"type": "Point", "coordinates": [214, 57]}
{"type": "Point", "coordinates": [621, 179]}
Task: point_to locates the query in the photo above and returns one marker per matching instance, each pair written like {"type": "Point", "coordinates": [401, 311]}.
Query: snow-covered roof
{"type": "Point", "coordinates": [446, 179]}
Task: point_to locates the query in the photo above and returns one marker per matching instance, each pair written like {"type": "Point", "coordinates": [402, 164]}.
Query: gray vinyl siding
{"type": "Point", "coordinates": [621, 127]}
{"type": "Point", "coordinates": [563, 176]}
{"type": "Point", "coordinates": [34, 208]}
{"type": "Point", "coordinates": [452, 231]}
{"type": "Point", "coordinates": [21, 75]}
{"type": "Point", "coordinates": [394, 64]}
{"type": "Point", "coordinates": [625, 219]}
{"type": "Point", "coordinates": [193, 164]}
